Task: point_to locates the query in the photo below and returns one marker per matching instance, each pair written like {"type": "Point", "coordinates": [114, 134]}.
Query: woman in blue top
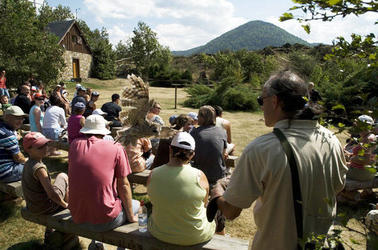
{"type": "Point", "coordinates": [36, 114]}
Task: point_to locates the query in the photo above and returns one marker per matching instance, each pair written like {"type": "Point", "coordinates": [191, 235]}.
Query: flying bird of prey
{"type": "Point", "coordinates": [135, 99]}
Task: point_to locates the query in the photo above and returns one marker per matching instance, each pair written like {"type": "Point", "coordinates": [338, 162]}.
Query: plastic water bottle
{"type": "Point", "coordinates": [142, 218]}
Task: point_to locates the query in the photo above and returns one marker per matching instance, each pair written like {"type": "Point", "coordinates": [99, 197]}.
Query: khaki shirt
{"type": "Point", "coordinates": [263, 174]}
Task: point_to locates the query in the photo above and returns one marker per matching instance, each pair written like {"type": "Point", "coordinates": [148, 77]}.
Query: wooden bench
{"type": "Point", "coordinates": [63, 145]}
{"type": "Point", "coordinates": [127, 235]}
{"type": "Point", "coordinates": [139, 178]}
{"type": "Point", "coordinates": [13, 189]}
{"type": "Point", "coordinates": [351, 185]}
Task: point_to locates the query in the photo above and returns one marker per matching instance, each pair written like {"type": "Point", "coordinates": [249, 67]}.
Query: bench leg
{"type": "Point", "coordinates": [59, 240]}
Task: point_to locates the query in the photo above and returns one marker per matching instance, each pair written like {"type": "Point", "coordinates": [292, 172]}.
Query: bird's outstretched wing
{"type": "Point", "coordinates": [136, 103]}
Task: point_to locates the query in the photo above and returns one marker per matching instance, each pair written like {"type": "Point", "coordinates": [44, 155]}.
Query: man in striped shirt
{"type": "Point", "coordinates": [11, 159]}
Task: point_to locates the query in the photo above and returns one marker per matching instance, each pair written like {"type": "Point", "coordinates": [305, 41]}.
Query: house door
{"type": "Point", "coordinates": [76, 68]}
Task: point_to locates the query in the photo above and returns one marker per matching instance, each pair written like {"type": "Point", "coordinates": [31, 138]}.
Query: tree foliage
{"type": "Point", "coordinates": [47, 14]}
{"type": "Point", "coordinates": [144, 50]}
{"type": "Point", "coordinates": [103, 54]}
{"type": "Point", "coordinates": [327, 10]}
{"type": "Point", "coordinates": [355, 82]}
{"type": "Point", "coordinates": [24, 48]}
{"type": "Point", "coordinates": [149, 59]}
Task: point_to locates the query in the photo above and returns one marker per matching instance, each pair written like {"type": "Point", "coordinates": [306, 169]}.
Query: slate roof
{"type": "Point", "coordinates": [60, 28]}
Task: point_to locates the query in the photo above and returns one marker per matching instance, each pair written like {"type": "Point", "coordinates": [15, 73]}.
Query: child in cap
{"type": "Point", "coordinates": [76, 122]}
{"type": "Point", "coordinates": [362, 154]}
{"type": "Point", "coordinates": [194, 116]}
{"type": "Point", "coordinates": [41, 196]}
{"type": "Point", "coordinates": [91, 104]}
{"type": "Point", "coordinates": [361, 157]}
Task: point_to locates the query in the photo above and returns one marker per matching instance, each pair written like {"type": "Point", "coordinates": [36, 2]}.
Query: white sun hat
{"type": "Point", "coordinates": [95, 124]}
{"type": "Point", "coordinates": [183, 140]}
{"type": "Point", "coordinates": [98, 112]}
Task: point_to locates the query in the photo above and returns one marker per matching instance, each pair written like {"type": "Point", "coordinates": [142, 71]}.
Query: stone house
{"type": "Point", "coordinates": [77, 55]}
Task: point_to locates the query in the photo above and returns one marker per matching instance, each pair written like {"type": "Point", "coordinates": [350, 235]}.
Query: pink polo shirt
{"type": "Point", "coordinates": [94, 165]}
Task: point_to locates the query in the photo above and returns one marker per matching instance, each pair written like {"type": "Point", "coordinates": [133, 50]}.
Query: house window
{"type": "Point", "coordinates": [74, 39]}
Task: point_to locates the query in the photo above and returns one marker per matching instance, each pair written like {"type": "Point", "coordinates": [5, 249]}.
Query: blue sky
{"type": "Point", "coordinates": [184, 24]}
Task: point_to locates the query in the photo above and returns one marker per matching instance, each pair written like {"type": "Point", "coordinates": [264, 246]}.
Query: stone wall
{"type": "Point", "coordinates": [85, 63]}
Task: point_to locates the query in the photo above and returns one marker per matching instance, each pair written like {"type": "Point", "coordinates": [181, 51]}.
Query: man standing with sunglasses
{"type": "Point", "coordinates": [266, 170]}
{"type": "Point", "coordinates": [11, 159]}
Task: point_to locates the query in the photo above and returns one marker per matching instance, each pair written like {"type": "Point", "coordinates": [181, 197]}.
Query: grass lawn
{"type": "Point", "coordinates": [16, 233]}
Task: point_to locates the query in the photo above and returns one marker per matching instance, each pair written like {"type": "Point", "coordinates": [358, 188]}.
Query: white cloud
{"type": "Point", "coordinates": [117, 33]}
{"type": "Point", "coordinates": [184, 24]}
{"type": "Point", "coordinates": [180, 24]}
{"type": "Point", "coordinates": [181, 37]}
{"type": "Point", "coordinates": [326, 32]}
{"type": "Point", "coordinates": [119, 9]}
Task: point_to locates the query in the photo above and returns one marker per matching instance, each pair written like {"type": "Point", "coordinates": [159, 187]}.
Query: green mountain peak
{"type": "Point", "coordinates": [254, 35]}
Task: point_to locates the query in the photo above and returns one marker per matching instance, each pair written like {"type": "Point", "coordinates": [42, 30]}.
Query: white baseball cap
{"type": "Point", "coordinates": [95, 124]}
{"type": "Point", "coordinates": [78, 85]}
{"type": "Point", "coordinates": [193, 115]}
{"type": "Point", "coordinates": [98, 112]}
{"type": "Point", "coordinates": [183, 140]}
{"type": "Point", "coordinates": [366, 119]}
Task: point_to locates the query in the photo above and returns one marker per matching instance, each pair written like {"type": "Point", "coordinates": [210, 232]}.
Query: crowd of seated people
{"type": "Point", "coordinates": [184, 168]}
{"type": "Point", "coordinates": [89, 172]}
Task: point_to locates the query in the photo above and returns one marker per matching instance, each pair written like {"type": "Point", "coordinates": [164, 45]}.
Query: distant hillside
{"type": "Point", "coordinates": [253, 35]}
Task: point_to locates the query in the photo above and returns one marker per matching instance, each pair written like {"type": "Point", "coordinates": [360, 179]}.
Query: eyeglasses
{"type": "Point", "coordinates": [158, 107]}
{"type": "Point", "coordinates": [260, 100]}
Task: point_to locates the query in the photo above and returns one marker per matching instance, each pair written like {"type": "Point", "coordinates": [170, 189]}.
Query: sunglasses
{"type": "Point", "coordinates": [260, 99]}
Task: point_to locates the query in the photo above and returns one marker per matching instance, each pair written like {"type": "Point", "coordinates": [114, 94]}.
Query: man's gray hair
{"type": "Point", "coordinates": [285, 81]}
{"type": "Point", "coordinates": [290, 89]}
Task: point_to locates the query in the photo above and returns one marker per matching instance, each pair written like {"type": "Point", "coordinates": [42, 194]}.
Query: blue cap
{"type": "Point", "coordinates": [193, 115]}
{"type": "Point", "coordinates": [172, 119]}
{"type": "Point", "coordinates": [79, 105]}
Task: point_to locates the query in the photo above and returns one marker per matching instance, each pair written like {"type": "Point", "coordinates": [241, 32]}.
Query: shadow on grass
{"type": "Point", "coordinates": [358, 212]}
{"type": "Point", "coordinates": [346, 212]}
{"type": "Point", "coordinates": [33, 244]}
{"type": "Point", "coordinates": [8, 209]}
{"type": "Point", "coordinates": [372, 241]}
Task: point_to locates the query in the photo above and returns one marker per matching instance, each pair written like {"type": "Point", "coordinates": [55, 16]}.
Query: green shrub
{"type": "Point", "coordinates": [199, 95]}
{"type": "Point", "coordinates": [240, 97]}
{"type": "Point", "coordinates": [229, 93]}
{"type": "Point", "coordinates": [165, 76]}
